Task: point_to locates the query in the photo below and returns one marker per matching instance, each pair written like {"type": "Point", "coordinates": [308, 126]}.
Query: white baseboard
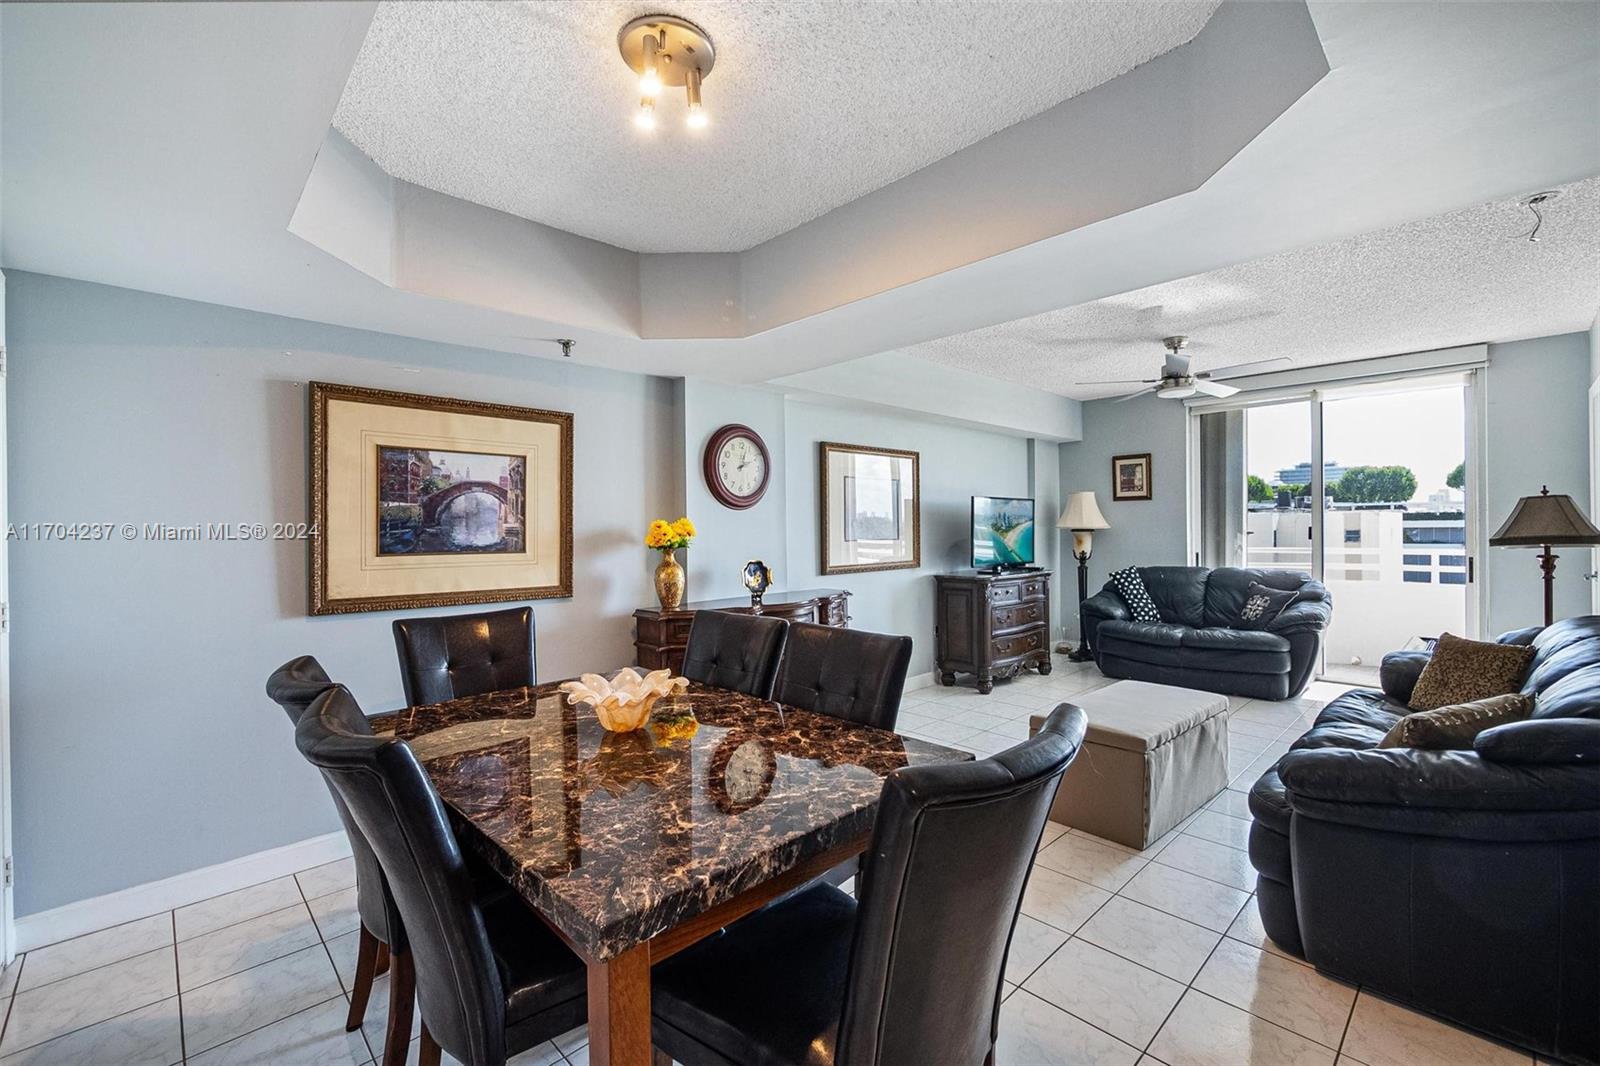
{"type": "Point", "coordinates": [927, 680]}
{"type": "Point", "coordinates": [114, 908]}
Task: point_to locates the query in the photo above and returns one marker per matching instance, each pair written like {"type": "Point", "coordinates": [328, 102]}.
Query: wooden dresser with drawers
{"type": "Point", "coordinates": [659, 637]}
{"type": "Point", "coordinates": [991, 625]}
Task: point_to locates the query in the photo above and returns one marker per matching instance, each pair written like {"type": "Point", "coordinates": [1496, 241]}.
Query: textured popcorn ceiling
{"type": "Point", "coordinates": [527, 107]}
{"type": "Point", "coordinates": [1460, 278]}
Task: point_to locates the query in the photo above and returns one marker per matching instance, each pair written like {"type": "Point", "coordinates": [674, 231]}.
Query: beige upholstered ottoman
{"type": "Point", "coordinates": [1153, 755]}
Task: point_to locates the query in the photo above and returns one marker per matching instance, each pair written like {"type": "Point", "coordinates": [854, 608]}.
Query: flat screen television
{"type": "Point", "coordinates": [1002, 532]}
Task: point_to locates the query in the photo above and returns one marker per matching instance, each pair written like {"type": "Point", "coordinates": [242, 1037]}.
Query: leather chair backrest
{"type": "Point", "coordinates": [464, 654]}
{"type": "Point", "coordinates": [1227, 587]}
{"type": "Point", "coordinates": [735, 651]}
{"type": "Point", "coordinates": [845, 673]}
{"type": "Point", "coordinates": [296, 683]}
{"type": "Point", "coordinates": [1179, 593]}
{"type": "Point", "coordinates": [1564, 676]}
{"type": "Point", "coordinates": [949, 859]}
{"type": "Point", "coordinates": [294, 686]}
{"type": "Point", "coordinates": [396, 807]}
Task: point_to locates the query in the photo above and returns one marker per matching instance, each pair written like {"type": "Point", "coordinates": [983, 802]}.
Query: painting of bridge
{"type": "Point", "coordinates": [446, 503]}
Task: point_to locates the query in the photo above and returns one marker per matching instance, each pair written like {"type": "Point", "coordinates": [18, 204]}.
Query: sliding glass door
{"type": "Point", "coordinates": [1370, 488]}
{"type": "Point", "coordinates": [1395, 551]}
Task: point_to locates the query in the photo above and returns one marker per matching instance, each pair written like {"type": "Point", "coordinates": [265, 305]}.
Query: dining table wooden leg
{"type": "Point", "coordinates": [619, 1009]}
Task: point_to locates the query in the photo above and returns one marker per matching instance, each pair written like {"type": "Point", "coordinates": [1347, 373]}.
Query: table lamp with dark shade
{"type": "Point", "coordinates": [1544, 521]}
{"type": "Point", "coordinates": [1082, 516]}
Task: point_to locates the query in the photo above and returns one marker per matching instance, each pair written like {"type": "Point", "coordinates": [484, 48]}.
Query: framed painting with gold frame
{"type": "Point", "coordinates": [424, 501]}
{"type": "Point", "coordinates": [871, 509]}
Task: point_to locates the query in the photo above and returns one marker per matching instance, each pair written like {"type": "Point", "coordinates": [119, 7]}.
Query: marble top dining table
{"type": "Point", "coordinates": [632, 846]}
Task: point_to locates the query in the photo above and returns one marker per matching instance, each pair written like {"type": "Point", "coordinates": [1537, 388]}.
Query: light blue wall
{"type": "Point", "coordinates": [955, 464]}
{"type": "Point", "coordinates": [1538, 434]}
{"type": "Point", "coordinates": [728, 537]}
{"type": "Point", "coordinates": [1143, 532]}
{"type": "Point", "coordinates": [143, 745]}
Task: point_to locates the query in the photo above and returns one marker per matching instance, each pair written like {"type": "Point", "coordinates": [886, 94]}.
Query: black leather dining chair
{"type": "Point", "coordinates": [911, 974]}
{"type": "Point", "coordinates": [491, 979]}
{"type": "Point", "coordinates": [293, 686]}
{"type": "Point", "coordinates": [735, 651]}
{"type": "Point", "coordinates": [444, 658]}
{"type": "Point", "coordinates": [844, 673]}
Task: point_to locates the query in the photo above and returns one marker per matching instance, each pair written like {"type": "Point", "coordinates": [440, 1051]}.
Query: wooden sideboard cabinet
{"type": "Point", "coordinates": [991, 625]}
{"type": "Point", "coordinates": [659, 637]}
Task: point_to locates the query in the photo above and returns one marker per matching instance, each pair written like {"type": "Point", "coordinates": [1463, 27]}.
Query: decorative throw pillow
{"type": "Point", "coordinates": [1461, 671]}
{"type": "Point", "coordinates": [1263, 605]}
{"type": "Point", "coordinates": [1454, 727]}
{"type": "Point", "coordinates": [1130, 586]}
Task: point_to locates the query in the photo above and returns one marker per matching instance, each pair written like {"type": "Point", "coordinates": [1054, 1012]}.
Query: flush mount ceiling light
{"type": "Point", "coordinates": [665, 50]}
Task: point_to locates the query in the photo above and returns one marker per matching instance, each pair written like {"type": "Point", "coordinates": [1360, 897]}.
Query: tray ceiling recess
{"type": "Point", "coordinates": [694, 194]}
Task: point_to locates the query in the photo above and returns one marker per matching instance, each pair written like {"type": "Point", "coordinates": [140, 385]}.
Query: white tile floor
{"type": "Point", "coordinates": [1119, 956]}
{"type": "Point", "coordinates": [1157, 956]}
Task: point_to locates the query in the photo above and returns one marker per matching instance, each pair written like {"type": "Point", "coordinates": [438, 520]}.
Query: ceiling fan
{"type": "Point", "coordinates": [1178, 382]}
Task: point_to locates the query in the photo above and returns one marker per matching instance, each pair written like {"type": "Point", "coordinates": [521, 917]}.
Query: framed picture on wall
{"type": "Point", "coordinates": [1130, 477]}
{"type": "Point", "coordinates": [424, 501]}
{"type": "Point", "coordinates": [871, 509]}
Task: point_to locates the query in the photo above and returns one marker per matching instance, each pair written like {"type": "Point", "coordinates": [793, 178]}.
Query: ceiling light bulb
{"type": "Point", "coordinates": [697, 112]}
{"type": "Point", "coordinates": [650, 75]}
{"type": "Point", "coordinates": [646, 117]}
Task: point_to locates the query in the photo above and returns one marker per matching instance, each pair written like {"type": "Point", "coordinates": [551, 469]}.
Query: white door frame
{"type": "Point", "coordinates": [8, 937]}
{"type": "Point", "coordinates": [1594, 491]}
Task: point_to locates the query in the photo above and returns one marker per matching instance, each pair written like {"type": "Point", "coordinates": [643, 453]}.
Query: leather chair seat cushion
{"type": "Point", "coordinates": [1154, 643]}
{"type": "Point", "coordinates": [538, 971]}
{"type": "Point", "coordinates": [1340, 735]}
{"type": "Point", "coordinates": [1218, 650]}
{"type": "Point", "coordinates": [1367, 707]}
{"type": "Point", "coordinates": [1240, 640]}
{"type": "Point", "coordinates": [723, 989]}
{"type": "Point", "coordinates": [1244, 650]}
{"type": "Point", "coordinates": [1151, 634]}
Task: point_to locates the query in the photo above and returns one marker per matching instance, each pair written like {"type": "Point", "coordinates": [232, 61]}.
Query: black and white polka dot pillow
{"type": "Point", "coordinates": [1130, 586]}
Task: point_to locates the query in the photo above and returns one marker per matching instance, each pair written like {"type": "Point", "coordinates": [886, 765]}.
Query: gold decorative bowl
{"type": "Point", "coordinates": [624, 702]}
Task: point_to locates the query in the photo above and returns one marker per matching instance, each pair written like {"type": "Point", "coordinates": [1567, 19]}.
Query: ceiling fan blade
{"type": "Point", "coordinates": [1133, 395]}
{"type": "Point", "coordinates": [1253, 362]}
{"type": "Point", "coordinates": [1213, 388]}
{"type": "Point", "coordinates": [1126, 381]}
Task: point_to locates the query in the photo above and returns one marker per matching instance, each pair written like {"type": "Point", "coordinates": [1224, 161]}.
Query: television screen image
{"type": "Point", "coordinates": [1002, 532]}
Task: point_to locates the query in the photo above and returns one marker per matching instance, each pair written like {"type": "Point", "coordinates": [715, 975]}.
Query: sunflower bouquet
{"type": "Point", "coordinates": [669, 536]}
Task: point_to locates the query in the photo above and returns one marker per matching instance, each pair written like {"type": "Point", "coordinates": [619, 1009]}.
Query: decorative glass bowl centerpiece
{"type": "Point", "coordinates": [623, 703]}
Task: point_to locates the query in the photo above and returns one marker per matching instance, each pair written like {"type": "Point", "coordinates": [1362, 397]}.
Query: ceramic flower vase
{"type": "Point", "coordinates": [669, 582]}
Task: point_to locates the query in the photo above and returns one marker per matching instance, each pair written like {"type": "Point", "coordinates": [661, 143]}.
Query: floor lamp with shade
{"type": "Point", "coordinates": [1082, 517]}
{"type": "Point", "coordinates": [1544, 521]}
